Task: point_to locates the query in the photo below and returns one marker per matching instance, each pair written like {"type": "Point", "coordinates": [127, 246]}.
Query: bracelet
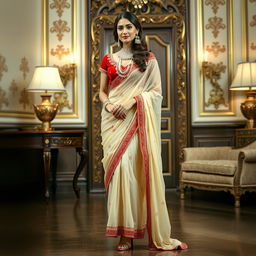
{"type": "Point", "coordinates": [105, 103]}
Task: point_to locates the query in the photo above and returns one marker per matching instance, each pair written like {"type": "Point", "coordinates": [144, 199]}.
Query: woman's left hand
{"type": "Point", "coordinates": [120, 112]}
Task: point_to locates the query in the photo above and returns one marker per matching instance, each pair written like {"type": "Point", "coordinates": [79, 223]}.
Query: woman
{"type": "Point", "coordinates": [130, 89]}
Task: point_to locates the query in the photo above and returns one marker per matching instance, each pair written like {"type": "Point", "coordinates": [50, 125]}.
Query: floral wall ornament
{"type": "Point", "coordinates": [213, 72]}
{"type": "Point", "coordinates": [3, 98]}
{"type": "Point", "coordinates": [215, 23]}
{"type": "Point", "coordinates": [14, 87]}
{"type": "Point", "coordinates": [59, 27]}
{"type": "Point", "coordinates": [60, 51]}
{"type": "Point", "coordinates": [253, 22]}
{"type": "Point", "coordinates": [3, 66]}
{"type": "Point", "coordinates": [24, 67]}
{"type": "Point", "coordinates": [24, 98]}
{"type": "Point", "coordinates": [59, 5]}
{"type": "Point", "coordinates": [215, 48]}
{"type": "Point", "coordinates": [62, 100]}
{"type": "Point", "coordinates": [215, 4]}
{"type": "Point", "coordinates": [253, 46]}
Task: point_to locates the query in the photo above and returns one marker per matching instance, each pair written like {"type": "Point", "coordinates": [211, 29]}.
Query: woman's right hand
{"type": "Point", "coordinates": [111, 107]}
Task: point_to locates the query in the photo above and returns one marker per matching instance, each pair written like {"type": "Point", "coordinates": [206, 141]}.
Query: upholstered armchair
{"type": "Point", "coordinates": [219, 168]}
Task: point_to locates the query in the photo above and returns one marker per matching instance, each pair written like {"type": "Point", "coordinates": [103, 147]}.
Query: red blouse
{"type": "Point", "coordinates": [109, 66]}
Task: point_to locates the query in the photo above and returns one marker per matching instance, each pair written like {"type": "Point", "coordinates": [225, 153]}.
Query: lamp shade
{"type": "Point", "coordinates": [245, 78]}
{"type": "Point", "coordinates": [46, 78]}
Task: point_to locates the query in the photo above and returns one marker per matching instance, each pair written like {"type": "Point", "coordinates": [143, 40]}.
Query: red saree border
{"type": "Point", "coordinates": [145, 157]}
{"type": "Point", "coordinates": [125, 231]}
{"type": "Point", "coordinates": [120, 151]}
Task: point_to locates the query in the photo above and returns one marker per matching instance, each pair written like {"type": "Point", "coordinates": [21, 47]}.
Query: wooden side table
{"type": "Point", "coordinates": [48, 141]}
{"type": "Point", "coordinates": [244, 137]}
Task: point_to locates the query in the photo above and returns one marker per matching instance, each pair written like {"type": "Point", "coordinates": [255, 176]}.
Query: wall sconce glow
{"type": "Point", "coordinates": [68, 71]}
{"type": "Point", "coordinates": [46, 78]}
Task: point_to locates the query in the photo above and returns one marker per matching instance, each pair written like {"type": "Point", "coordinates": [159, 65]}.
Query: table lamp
{"type": "Point", "coordinates": [245, 80]}
{"type": "Point", "coordinates": [46, 79]}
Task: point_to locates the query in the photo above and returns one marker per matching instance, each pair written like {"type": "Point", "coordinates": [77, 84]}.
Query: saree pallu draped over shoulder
{"type": "Point", "coordinates": [132, 160]}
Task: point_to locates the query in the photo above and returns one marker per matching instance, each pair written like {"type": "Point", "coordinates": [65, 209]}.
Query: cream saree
{"type": "Point", "coordinates": [132, 161]}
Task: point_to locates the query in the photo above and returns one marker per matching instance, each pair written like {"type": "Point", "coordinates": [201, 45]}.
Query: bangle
{"type": "Point", "coordinates": [105, 103]}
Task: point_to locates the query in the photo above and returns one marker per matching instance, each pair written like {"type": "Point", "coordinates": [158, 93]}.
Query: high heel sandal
{"type": "Point", "coordinates": [125, 246]}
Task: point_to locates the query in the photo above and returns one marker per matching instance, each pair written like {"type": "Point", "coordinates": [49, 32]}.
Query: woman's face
{"type": "Point", "coordinates": [126, 31]}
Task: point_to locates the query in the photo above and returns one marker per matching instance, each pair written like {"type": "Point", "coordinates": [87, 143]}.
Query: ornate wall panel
{"type": "Point", "coordinates": [216, 20]}
{"type": "Point", "coordinates": [62, 48]}
{"type": "Point", "coordinates": [152, 14]}
{"type": "Point", "coordinates": [250, 30]}
{"type": "Point", "coordinates": [40, 33]}
{"type": "Point", "coordinates": [216, 47]}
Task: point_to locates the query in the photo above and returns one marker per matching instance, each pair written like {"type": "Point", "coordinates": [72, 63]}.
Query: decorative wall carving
{"type": "Point", "coordinates": [60, 51]}
{"type": "Point", "coordinates": [3, 98]}
{"type": "Point", "coordinates": [13, 87]}
{"type": "Point", "coordinates": [215, 4]}
{"type": "Point", "coordinates": [103, 14]}
{"type": "Point", "coordinates": [24, 99]}
{"type": "Point", "coordinates": [60, 27]}
{"type": "Point", "coordinates": [216, 24]}
{"type": "Point", "coordinates": [253, 46]}
{"type": "Point", "coordinates": [217, 40]}
{"type": "Point", "coordinates": [215, 49]}
{"type": "Point", "coordinates": [253, 22]}
{"type": "Point", "coordinates": [59, 5]}
{"type": "Point", "coordinates": [24, 67]}
{"type": "Point", "coordinates": [3, 66]}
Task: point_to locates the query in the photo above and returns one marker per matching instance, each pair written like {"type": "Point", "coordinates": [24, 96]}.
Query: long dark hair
{"type": "Point", "coordinates": [140, 51]}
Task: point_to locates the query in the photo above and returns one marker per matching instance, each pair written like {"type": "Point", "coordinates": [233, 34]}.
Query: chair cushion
{"type": "Point", "coordinates": [221, 167]}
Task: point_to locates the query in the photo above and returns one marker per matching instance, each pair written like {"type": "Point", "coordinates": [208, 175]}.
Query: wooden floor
{"type": "Point", "coordinates": [69, 227]}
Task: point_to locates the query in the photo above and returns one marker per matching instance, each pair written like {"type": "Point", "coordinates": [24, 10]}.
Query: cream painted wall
{"type": "Point", "coordinates": [21, 35]}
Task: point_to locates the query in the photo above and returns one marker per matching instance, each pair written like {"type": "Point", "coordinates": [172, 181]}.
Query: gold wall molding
{"type": "Point", "coordinates": [214, 94]}
{"type": "Point", "coordinates": [215, 4]}
{"type": "Point", "coordinates": [215, 24]}
{"type": "Point", "coordinates": [215, 48]}
{"type": "Point", "coordinates": [104, 15]}
{"type": "Point", "coordinates": [60, 27]}
{"type": "Point", "coordinates": [57, 54]}
{"type": "Point", "coordinates": [24, 68]}
{"type": "Point", "coordinates": [3, 66]}
{"type": "Point", "coordinates": [59, 5]}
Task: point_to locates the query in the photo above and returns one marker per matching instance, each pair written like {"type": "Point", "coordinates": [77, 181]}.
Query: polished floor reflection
{"type": "Point", "coordinates": [207, 221]}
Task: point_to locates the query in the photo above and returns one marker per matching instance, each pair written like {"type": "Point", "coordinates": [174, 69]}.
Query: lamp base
{"type": "Point", "coordinates": [46, 112]}
{"type": "Point", "coordinates": [248, 108]}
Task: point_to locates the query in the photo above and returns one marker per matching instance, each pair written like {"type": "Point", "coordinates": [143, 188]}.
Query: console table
{"type": "Point", "coordinates": [48, 141]}
{"type": "Point", "coordinates": [245, 136]}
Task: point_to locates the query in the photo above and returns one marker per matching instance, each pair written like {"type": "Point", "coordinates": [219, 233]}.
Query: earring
{"type": "Point", "coordinates": [137, 39]}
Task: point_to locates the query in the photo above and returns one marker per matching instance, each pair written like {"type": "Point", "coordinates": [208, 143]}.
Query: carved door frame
{"type": "Point", "coordinates": [102, 16]}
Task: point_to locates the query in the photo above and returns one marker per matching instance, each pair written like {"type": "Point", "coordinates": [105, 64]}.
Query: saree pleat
{"type": "Point", "coordinates": [132, 161]}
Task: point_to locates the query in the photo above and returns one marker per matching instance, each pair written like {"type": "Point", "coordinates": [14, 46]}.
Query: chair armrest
{"type": "Point", "coordinates": [203, 153]}
{"type": "Point", "coordinates": [248, 155]}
